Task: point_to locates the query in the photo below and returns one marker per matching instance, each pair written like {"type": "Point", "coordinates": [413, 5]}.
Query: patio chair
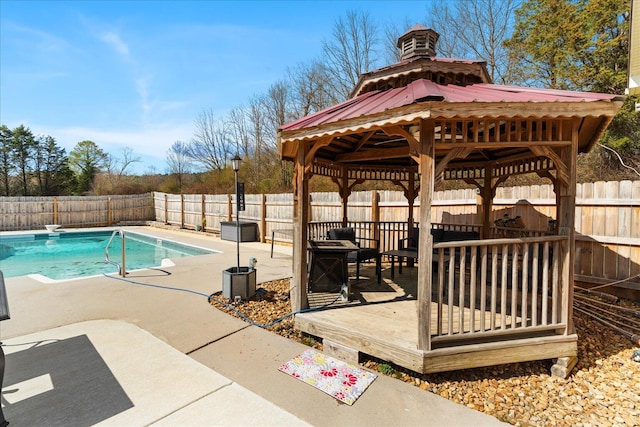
{"type": "Point", "coordinates": [371, 251]}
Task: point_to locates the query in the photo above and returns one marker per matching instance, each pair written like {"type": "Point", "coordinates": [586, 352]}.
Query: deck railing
{"type": "Point", "coordinates": [496, 287]}
{"type": "Point", "coordinates": [387, 232]}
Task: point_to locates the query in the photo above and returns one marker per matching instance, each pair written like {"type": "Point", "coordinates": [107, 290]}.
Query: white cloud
{"type": "Point", "coordinates": [115, 41]}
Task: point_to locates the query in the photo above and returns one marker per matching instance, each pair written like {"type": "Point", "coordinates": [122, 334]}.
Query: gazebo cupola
{"type": "Point", "coordinates": [418, 41]}
{"type": "Point", "coordinates": [419, 62]}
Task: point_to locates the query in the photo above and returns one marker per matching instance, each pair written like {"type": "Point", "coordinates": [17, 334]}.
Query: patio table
{"type": "Point", "coordinates": [328, 265]}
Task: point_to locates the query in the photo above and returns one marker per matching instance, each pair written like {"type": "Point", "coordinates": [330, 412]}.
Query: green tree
{"type": "Point", "coordinates": [22, 152]}
{"type": "Point", "coordinates": [582, 45]}
{"type": "Point", "coordinates": [604, 57]}
{"type": "Point", "coordinates": [52, 170]}
{"type": "Point", "coordinates": [571, 44]}
{"type": "Point", "coordinates": [6, 164]}
{"type": "Point", "coordinates": [86, 160]}
{"type": "Point", "coordinates": [544, 43]}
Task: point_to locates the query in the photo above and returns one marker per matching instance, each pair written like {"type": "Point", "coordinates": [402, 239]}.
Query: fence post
{"type": "Point", "coordinates": [181, 210]}
{"type": "Point", "coordinates": [109, 216]}
{"type": "Point", "coordinates": [166, 209]}
{"type": "Point", "coordinates": [203, 219]}
{"type": "Point", "coordinates": [263, 219]}
{"type": "Point", "coordinates": [55, 210]}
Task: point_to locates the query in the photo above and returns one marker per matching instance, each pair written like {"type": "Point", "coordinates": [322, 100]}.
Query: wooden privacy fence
{"type": "Point", "coordinates": [31, 213]}
{"type": "Point", "coordinates": [607, 218]}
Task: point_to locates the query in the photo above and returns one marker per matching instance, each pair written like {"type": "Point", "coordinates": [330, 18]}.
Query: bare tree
{"type": "Point", "coordinates": [126, 159]}
{"type": "Point", "coordinates": [277, 109]}
{"type": "Point", "coordinates": [391, 34]}
{"type": "Point", "coordinates": [210, 145]}
{"type": "Point", "coordinates": [475, 28]}
{"type": "Point", "coordinates": [350, 51]}
{"type": "Point", "coordinates": [239, 132]}
{"type": "Point", "coordinates": [307, 83]}
{"type": "Point", "coordinates": [178, 161]}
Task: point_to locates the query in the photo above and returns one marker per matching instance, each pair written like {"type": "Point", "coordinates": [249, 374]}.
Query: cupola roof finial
{"type": "Point", "coordinates": [419, 41]}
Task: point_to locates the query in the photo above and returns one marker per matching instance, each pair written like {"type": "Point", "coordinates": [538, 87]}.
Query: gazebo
{"type": "Point", "coordinates": [426, 119]}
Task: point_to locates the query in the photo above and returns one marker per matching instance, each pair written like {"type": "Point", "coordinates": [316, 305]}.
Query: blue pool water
{"type": "Point", "coordinates": [68, 255]}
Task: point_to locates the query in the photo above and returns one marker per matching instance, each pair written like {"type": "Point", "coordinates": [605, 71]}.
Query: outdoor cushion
{"type": "Point", "coordinates": [347, 233]}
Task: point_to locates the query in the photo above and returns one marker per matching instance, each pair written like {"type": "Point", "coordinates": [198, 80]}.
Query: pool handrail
{"type": "Point", "coordinates": [121, 267]}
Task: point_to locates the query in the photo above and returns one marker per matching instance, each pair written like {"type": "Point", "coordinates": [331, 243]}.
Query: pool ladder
{"type": "Point", "coordinates": [121, 267]}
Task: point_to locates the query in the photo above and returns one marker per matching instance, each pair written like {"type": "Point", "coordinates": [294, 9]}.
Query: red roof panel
{"type": "Point", "coordinates": [422, 90]}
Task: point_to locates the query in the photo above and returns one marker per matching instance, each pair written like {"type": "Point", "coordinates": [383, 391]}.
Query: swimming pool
{"type": "Point", "coordinates": [70, 254]}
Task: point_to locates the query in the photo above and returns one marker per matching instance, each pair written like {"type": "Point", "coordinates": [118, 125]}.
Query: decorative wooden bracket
{"type": "Point", "coordinates": [455, 153]}
{"type": "Point", "coordinates": [345, 191]}
{"type": "Point", "coordinates": [549, 175]}
{"type": "Point", "coordinates": [561, 168]}
{"type": "Point", "coordinates": [308, 159]}
{"type": "Point", "coordinates": [406, 190]}
{"type": "Point", "coordinates": [396, 130]}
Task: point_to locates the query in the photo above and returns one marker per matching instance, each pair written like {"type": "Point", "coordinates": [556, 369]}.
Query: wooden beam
{"type": "Point", "coordinates": [493, 145]}
{"type": "Point", "coordinates": [374, 154]}
{"type": "Point", "coordinates": [427, 168]}
{"type": "Point", "coordinates": [364, 140]}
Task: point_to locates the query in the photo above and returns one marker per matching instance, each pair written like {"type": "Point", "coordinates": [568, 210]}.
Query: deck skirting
{"type": "Point", "coordinates": [392, 336]}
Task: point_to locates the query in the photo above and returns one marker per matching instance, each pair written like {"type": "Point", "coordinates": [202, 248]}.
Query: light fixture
{"type": "Point", "coordinates": [236, 162]}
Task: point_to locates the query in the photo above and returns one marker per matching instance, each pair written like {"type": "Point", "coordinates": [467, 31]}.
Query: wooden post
{"type": "Point", "coordinates": [566, 226]}
{"type": "Point", "coordinates": [229, 208]}
{"type": "Point", "coordinates": [109, 214]}
{"type": "Point", "coordinates": [565, 214]}
{"type": "Point", "coordinates": [181, 210]}
{"type": "Point", "coordinates": [166, 209]}
{"type": "Point", "coordinates": [344, 195]}
{"type": "Point", "coordinates": [427, 183]}
{"type": "Point", "coordinates": [375, 215]}
{"type": "Point", "coordinates": [203, 218]}
{"type": "Point", "coordinates": [55, 211]}
{"type": "Point", "coordinates": [487, 194]}
{"type": "Point", "coordinates": [298, 292]}
{"type": "Point", "coordinates": [411, 199]}
{"type": "Point", "coordinates": [263, 219]}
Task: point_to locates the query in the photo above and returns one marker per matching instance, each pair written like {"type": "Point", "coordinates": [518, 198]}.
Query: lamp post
{"type": "Point", "coordinates": [236, 166]}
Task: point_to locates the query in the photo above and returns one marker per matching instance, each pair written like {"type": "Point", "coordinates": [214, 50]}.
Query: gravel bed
{"type": "Point", "coordinates": [602, 390]}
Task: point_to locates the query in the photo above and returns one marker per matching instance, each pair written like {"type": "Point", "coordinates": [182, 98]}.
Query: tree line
{"type": "Point", "coordinates": [560, 44]}
{"type": "Point", "coordinates": [35, 165]}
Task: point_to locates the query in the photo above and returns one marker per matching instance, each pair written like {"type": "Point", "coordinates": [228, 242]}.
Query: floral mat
{"type": "Point", "coordinates": [336, 378]}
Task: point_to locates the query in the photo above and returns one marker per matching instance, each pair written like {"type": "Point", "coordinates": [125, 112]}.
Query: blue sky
{"type": "Point", "coordinates": [137, 74]}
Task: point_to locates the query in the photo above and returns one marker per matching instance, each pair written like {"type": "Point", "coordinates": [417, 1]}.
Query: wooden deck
{"type": "Point", "coordinates": [383, 322]}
